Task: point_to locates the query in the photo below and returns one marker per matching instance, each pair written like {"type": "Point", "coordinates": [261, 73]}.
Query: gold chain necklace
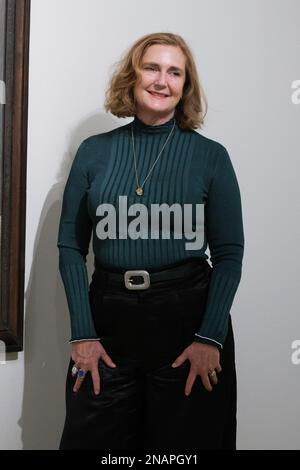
{"type": "Point", "coordinates": [139, 190]}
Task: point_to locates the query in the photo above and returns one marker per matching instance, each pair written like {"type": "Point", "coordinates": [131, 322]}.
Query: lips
{"type": "Point", "coordinates": [158, 95]}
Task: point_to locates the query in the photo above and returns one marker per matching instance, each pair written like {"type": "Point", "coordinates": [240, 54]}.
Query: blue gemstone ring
{"type": "Point", "coordinates": [81, 373]}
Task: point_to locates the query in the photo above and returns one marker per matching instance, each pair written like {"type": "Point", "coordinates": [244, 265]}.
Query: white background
{"type": "Point", "coordinates": [247, 53]}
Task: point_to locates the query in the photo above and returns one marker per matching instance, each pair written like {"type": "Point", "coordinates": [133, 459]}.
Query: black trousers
{"type": "Point", "coordinates": [142, 405]}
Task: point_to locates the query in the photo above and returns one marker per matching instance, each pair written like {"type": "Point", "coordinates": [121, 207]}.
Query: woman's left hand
{"type": "Point", "coordinates": [205, 361]}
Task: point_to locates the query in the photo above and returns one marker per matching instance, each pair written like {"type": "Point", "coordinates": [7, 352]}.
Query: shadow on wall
{"type": "Point", "coordinates": [47, 332]}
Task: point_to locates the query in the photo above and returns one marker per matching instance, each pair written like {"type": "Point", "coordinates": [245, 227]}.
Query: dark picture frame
{"type": "Point", "coordinates": [13, 155]}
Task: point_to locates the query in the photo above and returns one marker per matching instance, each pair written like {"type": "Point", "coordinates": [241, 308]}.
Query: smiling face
{"type": "Point", "coordinates": [161, 83]}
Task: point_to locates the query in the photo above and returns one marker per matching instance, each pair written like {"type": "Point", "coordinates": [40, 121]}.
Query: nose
{"type": "Point", "coordinates": [161, 80]}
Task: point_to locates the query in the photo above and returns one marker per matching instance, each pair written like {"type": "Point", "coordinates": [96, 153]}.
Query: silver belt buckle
{"type": "Point", "coordinates": [128, 282]}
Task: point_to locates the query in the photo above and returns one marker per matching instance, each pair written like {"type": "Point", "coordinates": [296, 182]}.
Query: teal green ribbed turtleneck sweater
{"type": "Point", "coordinates": [192, 169]}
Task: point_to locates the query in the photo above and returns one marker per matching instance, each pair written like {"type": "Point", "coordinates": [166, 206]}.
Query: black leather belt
{"type": "Point", "coordinates": [135, 279]}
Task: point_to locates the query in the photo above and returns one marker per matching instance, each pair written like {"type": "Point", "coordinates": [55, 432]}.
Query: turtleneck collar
{"type": "Point", "coordinates": [140, 126]}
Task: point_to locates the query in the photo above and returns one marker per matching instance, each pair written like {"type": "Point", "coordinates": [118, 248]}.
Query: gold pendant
{"type": "Point", "coordinates": [139, 191]}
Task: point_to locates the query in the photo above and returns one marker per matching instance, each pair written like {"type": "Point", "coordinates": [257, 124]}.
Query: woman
{"type": "Point", "coordinates": [152, 363]}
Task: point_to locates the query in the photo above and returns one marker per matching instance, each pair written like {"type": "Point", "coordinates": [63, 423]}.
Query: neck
{"type": "Point", "coordinates": [141, 127]}
{"type": "Point", "coordinates": [154, 120]}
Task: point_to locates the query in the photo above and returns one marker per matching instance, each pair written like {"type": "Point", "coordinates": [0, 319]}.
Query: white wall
{"type": "Point", "coordinates": [248, 56]}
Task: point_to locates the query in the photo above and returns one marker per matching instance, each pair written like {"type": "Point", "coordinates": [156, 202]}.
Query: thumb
{"type": "Point", "coordinates": [108, 361]}
{"type": "Point", "coordinates": [179, 360]}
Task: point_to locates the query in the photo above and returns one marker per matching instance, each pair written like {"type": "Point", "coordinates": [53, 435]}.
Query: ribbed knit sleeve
{"type": "Point", "coordinates": [225, 236]}
{"type": "Point", "coordinates": [74, 236]}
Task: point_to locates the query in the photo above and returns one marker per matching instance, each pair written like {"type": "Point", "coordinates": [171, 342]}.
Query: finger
{"type": "Point", "coordinates": [189, 383]}
{"type": "Point", "coordinates": [179, 360]}
{"type": "Point", "coordinates": [77, 384]}
{"type": "Point", "coordinates": [74, 370]}
{"type": "Point", "coordinates": [206, 382]}
{"type": "Point", "coordinates": [108, 361]}
{"type": "Point", "coordinates": [219, 368]}
{"type": "Point", "coordinates": [79, 380]}
{"type": "Point", "coordinates": [213, 378]}
{"type": "Point", "coordinates": [212, 374]}
{"type": "Point", "coordinates": [96, 380]}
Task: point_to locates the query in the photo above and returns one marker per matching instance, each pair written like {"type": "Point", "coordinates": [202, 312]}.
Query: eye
{"type": "Point", "coordinates": [176, 73]}
{"type": "Point", "coordinates": [149, 68]}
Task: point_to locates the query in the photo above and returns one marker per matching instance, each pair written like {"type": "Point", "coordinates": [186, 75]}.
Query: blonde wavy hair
{"type": "Point", "coordinates": [119, 96]}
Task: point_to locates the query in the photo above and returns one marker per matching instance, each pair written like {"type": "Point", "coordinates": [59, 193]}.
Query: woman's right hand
{"type": "Point", "coordinates": [86, 355]}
